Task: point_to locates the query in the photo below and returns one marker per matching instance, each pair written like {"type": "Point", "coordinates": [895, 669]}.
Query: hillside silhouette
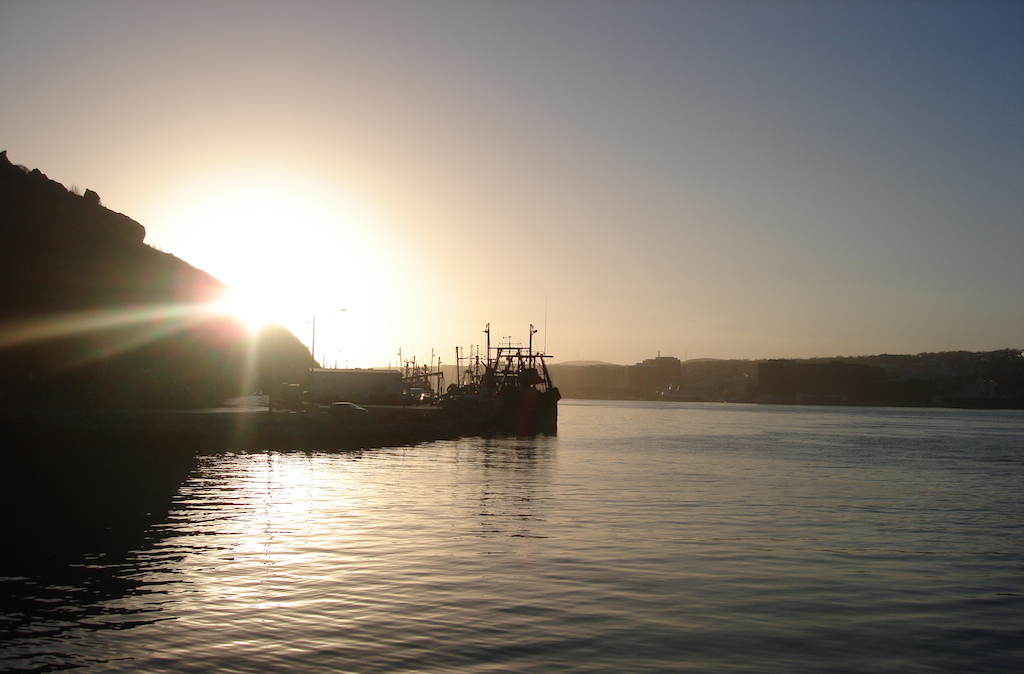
{"type": "Point", "coordinates": [986, 379]}
{"type": "Point", "coordinates": [92, 316]}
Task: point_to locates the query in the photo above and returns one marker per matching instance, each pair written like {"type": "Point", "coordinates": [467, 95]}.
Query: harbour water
{"type": "Point", "coordinates": [645, 537]}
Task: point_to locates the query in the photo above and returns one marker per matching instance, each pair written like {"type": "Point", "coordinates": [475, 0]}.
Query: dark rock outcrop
{"type": "Point", "coordinates": [90, 313]}
{"type": "Point", "coordinates": [62, 251]}
{"type": "Point", "coordinates": [91, 198]}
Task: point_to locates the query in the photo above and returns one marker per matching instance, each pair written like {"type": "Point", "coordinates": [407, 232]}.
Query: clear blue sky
{"type": "Point", "coordinates": [703, 179]}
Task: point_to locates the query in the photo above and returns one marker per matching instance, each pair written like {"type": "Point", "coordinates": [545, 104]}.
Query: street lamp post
{"type": "Point", "coordinates": [312, 347]}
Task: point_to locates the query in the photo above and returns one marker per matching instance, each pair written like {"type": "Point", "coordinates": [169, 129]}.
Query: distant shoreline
{"type": "Point", "coordinates": [965, 405]}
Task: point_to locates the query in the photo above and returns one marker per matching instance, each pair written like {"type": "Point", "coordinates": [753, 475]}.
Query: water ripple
{"type": "Point", "coordinates": [644, 538]}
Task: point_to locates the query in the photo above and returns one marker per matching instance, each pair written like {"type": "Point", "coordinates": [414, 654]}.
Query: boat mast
{"type": "Point", "coordinates": [533, 331]}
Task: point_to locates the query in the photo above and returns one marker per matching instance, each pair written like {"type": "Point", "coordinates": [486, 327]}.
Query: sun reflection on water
{"type": "Point", "coordinates": [688, 538]}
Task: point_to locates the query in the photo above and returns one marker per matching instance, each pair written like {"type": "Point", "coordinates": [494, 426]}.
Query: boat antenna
{"type": "Point", "coordinates": [545, 322]}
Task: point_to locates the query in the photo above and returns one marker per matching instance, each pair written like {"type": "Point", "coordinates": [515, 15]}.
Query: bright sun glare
{"type": "Point", "coordinates": [290, 250]}
{"type": "Point", "coordinates": [247, 307]}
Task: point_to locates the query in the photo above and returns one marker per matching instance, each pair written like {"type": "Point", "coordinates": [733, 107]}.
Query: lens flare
{"type": "Point", "coordinates": [253, 310]}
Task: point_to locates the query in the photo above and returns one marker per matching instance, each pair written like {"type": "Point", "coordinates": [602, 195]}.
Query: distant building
{"type": "Point", "coordinates": [357, 385]}
{"type": "Point", "coordinates": [655, 373]}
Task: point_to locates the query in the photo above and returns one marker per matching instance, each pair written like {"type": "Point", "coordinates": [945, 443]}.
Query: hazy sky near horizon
{"type": "Point", "coordinates": [728, 179]}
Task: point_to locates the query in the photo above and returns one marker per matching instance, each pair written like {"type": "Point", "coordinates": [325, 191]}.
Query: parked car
{"type": "Point", "coordinates": [349, 411]}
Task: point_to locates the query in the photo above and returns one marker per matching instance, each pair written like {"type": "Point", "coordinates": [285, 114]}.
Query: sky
{"type": "Point", "coordinates": [728, 179]}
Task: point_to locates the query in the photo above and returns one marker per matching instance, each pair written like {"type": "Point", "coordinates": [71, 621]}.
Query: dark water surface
{"type": "Point", "coordinates": [646, 537]}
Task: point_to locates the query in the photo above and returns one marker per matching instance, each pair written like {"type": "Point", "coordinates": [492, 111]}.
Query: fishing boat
{"type": "Point", "coordinates": [510, 381]}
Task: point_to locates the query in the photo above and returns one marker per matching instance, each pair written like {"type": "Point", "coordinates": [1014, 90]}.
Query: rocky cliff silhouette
{"type": "Point", "coordinates": [92, 316]}
{"type": "Point", "coordinates": [62, 251]}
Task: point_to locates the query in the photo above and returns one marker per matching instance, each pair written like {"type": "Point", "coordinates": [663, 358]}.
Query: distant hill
{"type": "Point", "coordinates": [591, 363]}
{"type": "Point", "coordinates": [993, 379]}
{"type": "Point", "coordinates": [90, 314]}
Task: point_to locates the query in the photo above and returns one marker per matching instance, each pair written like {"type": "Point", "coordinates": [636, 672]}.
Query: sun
{"type": "Point", "coordinates": [301, 254]}
{"type": "Point", "coordinates": [251, 309]}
